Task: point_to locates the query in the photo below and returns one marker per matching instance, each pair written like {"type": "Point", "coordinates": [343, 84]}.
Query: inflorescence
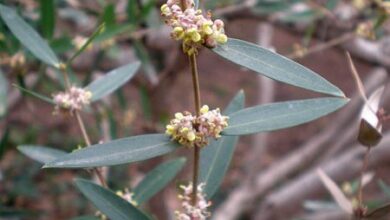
{"type": "Point", "coordinates": [73, 99]}
{"type": "Point", "coordinates": [192, 131]}
{"type": "Point", "coordinates": [191, 26]}
{"type": "Point", "coordinates": [190, 211]}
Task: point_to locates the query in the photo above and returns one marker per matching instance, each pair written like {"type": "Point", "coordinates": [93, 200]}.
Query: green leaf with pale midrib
{"type": "Point", "coordinates": [157, 179]}
{"type": "Point", "coordinates": [112, 81]}
{"type": "Point", "coordinates": [215, 158]}
{"type": "Point", "coordinates": [275, 66]}
{"type": "Point", "coordinates": [280, 115]}
{"type": "Point", "coordinates": [28, 36]}
{"type": "Point", "coordinates": [120, 151]}
{"type": "Point", "coordinates": [108, 202]}
{"type": "Point", "coordinates": [40, 153]}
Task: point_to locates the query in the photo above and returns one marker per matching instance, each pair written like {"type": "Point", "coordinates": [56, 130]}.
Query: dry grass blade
{"type": "Point", "coordinates": [356, 77]}
{"type": "Point", "coordinates": [336, 192]}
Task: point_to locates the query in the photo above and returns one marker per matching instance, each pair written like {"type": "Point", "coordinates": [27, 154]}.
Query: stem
{"type": "Point", "coordinates": [364, 167]}
{"type": "Point", "coordinates": [82, 127]}
{"type": "Point", "coordinates": [64, 68]}
{"type": "Point", "coordinates": [195, 81]}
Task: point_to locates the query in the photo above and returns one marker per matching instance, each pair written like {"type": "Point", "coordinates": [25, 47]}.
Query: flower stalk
{"type": "Point", "coordinates": [195, 82]}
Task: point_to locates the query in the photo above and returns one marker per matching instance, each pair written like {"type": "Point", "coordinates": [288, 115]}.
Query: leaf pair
{"type": "Point", "coordinates": [276, 116]}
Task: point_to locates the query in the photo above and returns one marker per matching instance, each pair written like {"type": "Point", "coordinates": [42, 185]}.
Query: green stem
{"type": "Point", "coordinates": [195, 82]}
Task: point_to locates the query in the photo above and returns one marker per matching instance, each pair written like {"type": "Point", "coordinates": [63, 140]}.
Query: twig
{"type": "Point", "coordinates": [195, 81]}
{"type": "Point", "coordinates": [320, 47]}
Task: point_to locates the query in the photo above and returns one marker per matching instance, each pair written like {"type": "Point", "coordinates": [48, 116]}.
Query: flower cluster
{"type": "Point", "coordinates": [190, 211]}
{"type": "Point", "coordinates": [190, 130]}
{"type": "Point", "coordinates": [128, 196]}
{"type": "Point", "coordinates": [192, 27]}
{"type": "Point", "coordinates": [73, 99]}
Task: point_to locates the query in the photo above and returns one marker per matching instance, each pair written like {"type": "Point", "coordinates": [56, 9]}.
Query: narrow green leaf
{"type": "Point", "coordinates": [112, 81]}
{"type": "Point", "coordinates": [97, 32]}
{"type": "Point", "coordinates": [47, 20]}
{"type": "Point", "coordinates": [108, 202]}
{"type": "Point", "coordinates": [384, 187]}
{"type": "Point", "coordinates": [4, 141]}
{"type": "Point", "coordinates": [40, 153]}
{"type": "Point", "coordinates": [28, 36]}
{"type": "Point", "coordinates": [157, 179]}
{"type": "Point", "coordinates": [3, 94]}
{"type": "Point", "coordinates": [120, 151]}
{"type": "Point", "coordinates": [275, 66]}
{"type": "Point", "coordinates": [37, 95]}
{"type": "Point", "coordinates": [109, 15]}
{"type": "Point", "coordinates": [280, 115]}
{"type": "Point", "coordinates": [147, 66]}
{"type": "Point", "coordinates": [215, 158]}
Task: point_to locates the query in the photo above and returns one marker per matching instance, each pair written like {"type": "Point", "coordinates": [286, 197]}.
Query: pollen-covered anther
{"type": "Point", "coordinates": [190, 131]}
{"type": "Point", "coordinates": [192, 27]}
{"type": "Point", "coordinates": [128, 196]}
{"type": "Point", "coordinates": [73, 99]}
{"type": "Point", "coordinates": [193, 211]}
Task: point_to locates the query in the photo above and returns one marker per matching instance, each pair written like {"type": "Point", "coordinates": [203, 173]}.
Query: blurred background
{"type": "Point", "coordinates": [272, 175]}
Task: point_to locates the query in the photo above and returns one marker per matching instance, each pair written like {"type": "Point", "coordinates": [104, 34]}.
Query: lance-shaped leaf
{"type": "Point", "coordinates": [112, 81]}
{"type": "Point", "coordinates": [3, 94]}
{"type": "Point", "coordinates": [280, 115]}
{"type": "Point", "coordinates": [215, 158]}
{"type": "Point", "coordinates": [108, 202]}
{"type": "Point", "coordinates": [40, 153]}
{"type": "Point", "coordinates": [48, 18]}
{"type": "Point", "coordinates": [28, 36]}
{"type": "Point", "coordinates": [157, 179]}
{"type": "Point", "coordinates": [120, 151]}
{"type": "Point", "coordinates": [275, 66]}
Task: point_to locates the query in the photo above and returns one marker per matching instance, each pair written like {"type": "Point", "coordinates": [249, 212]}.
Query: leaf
{"type": "Point", "coordinates": [109, 15]}
{"type": "Point", "coordinates": [157, 179]}
{"type": "Point", "coordinates": [3, 94]}
{"type": "Point", "coordinates": [381, 213]}
{"type": "Point", "coordinates": [120, 151]}
{"type": "Point", "coordinates": [37, 95]}
{"type": "Point", "coordinates": [280, 115]}
{"type": "Point", "coordinates": [215, 158]}
{"type": "Point", "coordinates": [275, 66]}
{"type": "Point", "coordinates": [108, 202]}
{"type": "Point", "coordinates": [48, 18]}
{"type": "Point", "coordinates": [336, 192]}
{"type": "Point", "coordinates": [96, 33]}
{"type": "Point", "coordinates": [112, 81]}
{"type": "Point", "coordinates": [384, 187]}
{"type": "Point", "coordinates": [147, 66]}
{"type": "Point", "coordinates": [40, 153]}
{"type": "Point", "coordinates": [28, 36]}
